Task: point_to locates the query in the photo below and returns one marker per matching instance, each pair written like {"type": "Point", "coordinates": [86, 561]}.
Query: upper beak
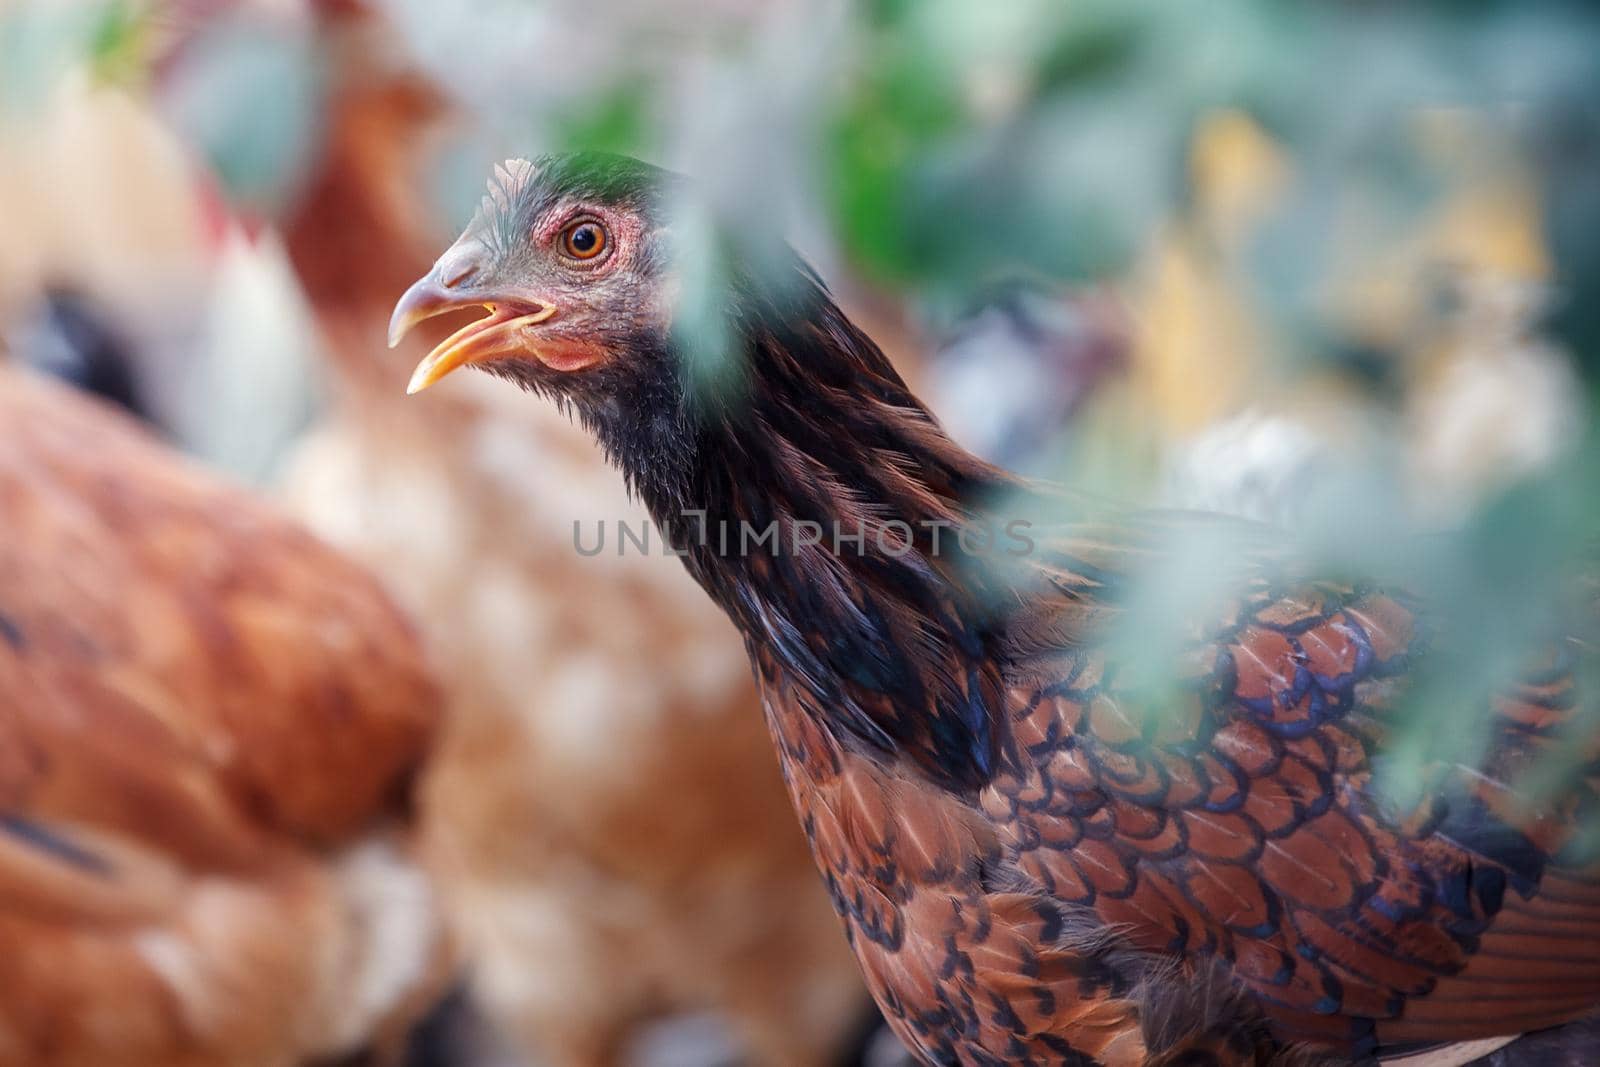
{"type": "Point", "coordinates": [496, 335]}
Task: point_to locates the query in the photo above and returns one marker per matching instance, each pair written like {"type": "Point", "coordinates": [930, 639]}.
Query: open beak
{"type": "Point", "coordinates": [495, 336]}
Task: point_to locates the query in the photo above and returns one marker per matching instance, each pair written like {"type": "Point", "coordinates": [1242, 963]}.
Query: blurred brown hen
{"type": "Point", "coordinates": [606, 814]}
{"type": "Point", "coordinates": [1089, 787]}
{"type": "Point", "coordinates": [210, 726]}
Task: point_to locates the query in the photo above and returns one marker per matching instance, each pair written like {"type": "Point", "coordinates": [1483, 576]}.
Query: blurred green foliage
{"type": "Point", "coordinates": [40, 42]}
{"type": "Point", "coordinates": [1055, 138]}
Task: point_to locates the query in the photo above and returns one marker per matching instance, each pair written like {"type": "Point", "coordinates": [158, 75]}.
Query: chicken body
{"type": "Point", "coordinates": [211, 722]}
{"type": "Point", "coordinates": [1211, 875]}
{"type": "Point", "coordinates": [604, 813]}
{"type": "Point", "coordinates": [1047, 849]}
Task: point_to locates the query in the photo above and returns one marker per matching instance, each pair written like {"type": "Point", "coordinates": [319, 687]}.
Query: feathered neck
{"type": "Point", "coordinates": [867, 593]}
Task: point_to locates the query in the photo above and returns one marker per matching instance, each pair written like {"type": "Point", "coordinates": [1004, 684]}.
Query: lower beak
{"type": "Point", "coordinates": [497, 335]}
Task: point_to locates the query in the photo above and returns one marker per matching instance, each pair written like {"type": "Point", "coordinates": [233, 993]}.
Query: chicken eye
{"type": "Point", "coordinates": [583, 240]}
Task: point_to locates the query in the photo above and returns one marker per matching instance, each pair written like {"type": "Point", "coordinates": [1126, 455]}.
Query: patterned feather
{"type": "Point", "coordinates": [1231, 836]}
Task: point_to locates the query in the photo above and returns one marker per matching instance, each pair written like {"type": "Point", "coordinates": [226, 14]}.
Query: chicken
{"type": "Point", "coordinates": [1045, 850]}
{"type": "Point", "coordinates": [604, 813]}
{"type": "Point", "coordinates": [211, 725]}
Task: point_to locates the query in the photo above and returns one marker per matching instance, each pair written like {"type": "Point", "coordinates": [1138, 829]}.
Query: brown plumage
{"type": "Point", "coordinates": [604, 813]}
{"type": "Point", "coordinates": [1041, 855]}
{"type": "Point", "coordinates": [210, 724]}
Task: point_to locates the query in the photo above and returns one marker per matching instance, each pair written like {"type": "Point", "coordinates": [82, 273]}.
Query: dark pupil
{"type": "Point", "coordinates": [584, 239]}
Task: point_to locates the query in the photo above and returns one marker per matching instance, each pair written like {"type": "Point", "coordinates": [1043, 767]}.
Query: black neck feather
{"type": "Point", "coordinates": [886, 623]}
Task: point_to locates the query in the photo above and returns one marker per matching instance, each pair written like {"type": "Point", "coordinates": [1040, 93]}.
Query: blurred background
{"type": "Point", "coordinates": [1334, 265]}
